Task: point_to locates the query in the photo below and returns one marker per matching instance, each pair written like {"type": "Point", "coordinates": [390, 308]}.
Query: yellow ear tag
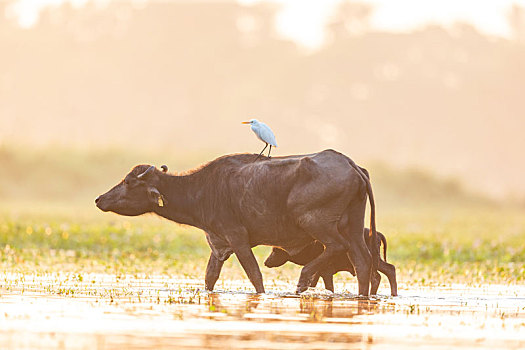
{"type": "Point", "coordinates": [160, 202]}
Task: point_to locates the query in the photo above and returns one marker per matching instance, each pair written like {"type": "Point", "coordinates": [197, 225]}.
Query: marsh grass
{"type": "Point", "coordinates": [427, 246]}
{"type": "Point", "coordinates": [437, 231]}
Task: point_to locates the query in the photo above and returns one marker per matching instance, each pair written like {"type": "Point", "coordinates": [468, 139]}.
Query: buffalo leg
{"type": "Point", "coordinates": [326, 232]}
{"type": "Point", "coordinates": [363, 265]}
{"type": "Point", "coordinates": [390, 271]}
{"type": "Point", "coordinates": [213, 271]}
{"type": "Point", "coordinates": [315, 280]}
{"type": "Point", "coordinates": [357, 261]}
{"type": "Point", "coordinates": [332, 248]}
{"type": "Point", "coordinates": [250, 266]}
{"type": "Point", "coordinates": [328, 279]}
{"type": "Point", "coordinates": [352, 229]}
{"type": "Point", "coordinates": [376, 280]}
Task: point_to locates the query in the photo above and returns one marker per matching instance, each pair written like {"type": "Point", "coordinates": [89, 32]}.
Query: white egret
{"type": "Point", "coordinates": [264, 133]}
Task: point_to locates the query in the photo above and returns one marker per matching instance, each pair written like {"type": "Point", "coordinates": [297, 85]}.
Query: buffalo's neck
{"type": "Point", "coordinates": [182, 200]}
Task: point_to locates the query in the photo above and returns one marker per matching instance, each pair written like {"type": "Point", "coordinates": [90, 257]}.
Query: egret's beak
{"type": "Point", "coordinates": [245, 123]}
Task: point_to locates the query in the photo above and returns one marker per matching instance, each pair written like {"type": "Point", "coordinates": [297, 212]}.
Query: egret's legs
{"type": "Point", "coordinates": [270, 151]}
{"type": "Point", "coordinates": [262, 152]}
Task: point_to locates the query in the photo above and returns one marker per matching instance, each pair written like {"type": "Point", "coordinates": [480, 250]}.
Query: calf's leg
{"type": "Point", "coordinates": [390, 271]}
{"type": "Point", "coordinates": [334, 245]}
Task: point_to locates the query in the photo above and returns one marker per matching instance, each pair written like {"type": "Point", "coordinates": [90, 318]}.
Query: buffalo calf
{"type": "Point", "coordinates": [278, 257]}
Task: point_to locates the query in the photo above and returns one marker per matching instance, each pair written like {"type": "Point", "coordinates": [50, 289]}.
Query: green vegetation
{"type": "Point", "coordinates": [437, 232]}
{"type": "Point", "coordinates": [462, 246]}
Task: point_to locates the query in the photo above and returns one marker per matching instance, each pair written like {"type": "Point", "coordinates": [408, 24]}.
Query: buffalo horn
{"type": "Point", "coordinates": [141, 176]}
{"type": "Point", "coordinates": [164, 168]}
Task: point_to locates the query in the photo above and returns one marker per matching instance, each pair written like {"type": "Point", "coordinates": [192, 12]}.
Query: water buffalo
{"type": "Point", "coordinates": [279, 257]}
{"type": "Point", "coordinates": [285, 202]}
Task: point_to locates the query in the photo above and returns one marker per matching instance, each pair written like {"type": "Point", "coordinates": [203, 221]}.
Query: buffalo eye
{"type": "Point", "coordinates": [133, 182]}
{"type": "Point", "coordinates": [129, 181]}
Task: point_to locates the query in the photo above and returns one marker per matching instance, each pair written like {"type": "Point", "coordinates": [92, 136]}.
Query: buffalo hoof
{"type": "Point", "coordinates": [301, 289]}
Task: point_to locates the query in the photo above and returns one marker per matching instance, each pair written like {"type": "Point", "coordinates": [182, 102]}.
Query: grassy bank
{"type": "Point", "coordinates": [468, 245]}
{"type": "Point", "coordinates": [437, 231]}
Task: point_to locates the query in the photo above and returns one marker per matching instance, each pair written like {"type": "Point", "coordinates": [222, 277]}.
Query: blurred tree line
{"type": "Point", "coordinates": [56, 175]}
{"type": "Point", "coordinates": [183, 75]}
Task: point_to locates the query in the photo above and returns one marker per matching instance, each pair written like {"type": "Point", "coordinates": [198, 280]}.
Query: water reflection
{"type": "Point", "coordinates": [320, 308]}
{"type": "Point", "coordinates": [245, 304]}
{"type": "Point", "coordinates": [276, 319]}
{"type": "Point", "coordinates": [304, 308]}
{"type": "Point", "coordinates": [161, 312]}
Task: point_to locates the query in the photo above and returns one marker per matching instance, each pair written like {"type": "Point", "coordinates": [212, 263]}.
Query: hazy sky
{"type": "Point", "coordinates": [307, 110]}
{"type": "Point", "coordinates": [303, 20]}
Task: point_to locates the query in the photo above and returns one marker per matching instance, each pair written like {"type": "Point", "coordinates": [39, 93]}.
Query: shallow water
{"type": "Point", "coordinates": [97, 311]}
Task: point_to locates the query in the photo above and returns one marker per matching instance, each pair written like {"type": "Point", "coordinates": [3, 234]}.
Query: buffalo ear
{"type": "Point", "coordinates": [156, 197]}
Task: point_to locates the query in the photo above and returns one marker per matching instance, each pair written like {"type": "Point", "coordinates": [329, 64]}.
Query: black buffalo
{"type": "Point", "coordinates": [279, 257]}
{"type": "Point", "coordinates": [285, 202]}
